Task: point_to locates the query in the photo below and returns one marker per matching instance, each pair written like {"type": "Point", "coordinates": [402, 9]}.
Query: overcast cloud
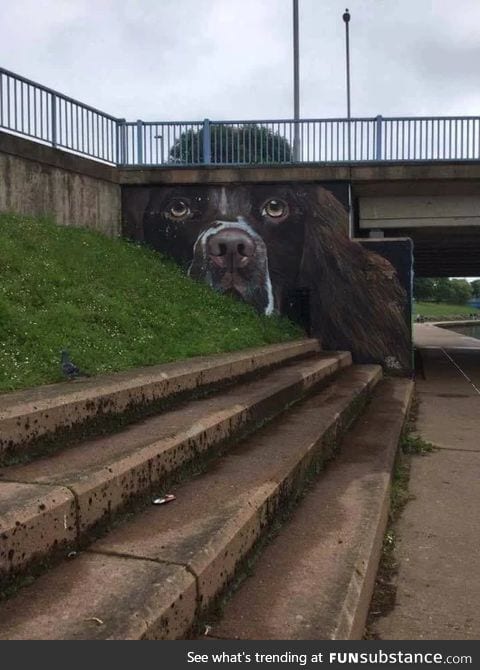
{"type": "Point", "coordinates": [232, 59]}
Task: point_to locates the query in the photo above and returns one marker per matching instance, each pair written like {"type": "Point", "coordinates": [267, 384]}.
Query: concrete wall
{"type": "Point", "coordinates": [366, 178]}
{"type": "Point", "coordinates": [38, 180]}
{"type": "Point", "coordinates": [419, 211]}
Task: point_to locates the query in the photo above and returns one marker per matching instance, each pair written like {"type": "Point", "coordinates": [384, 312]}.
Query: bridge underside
{"type": "Point", "coordinates": [444, 253]}
{"type": "Point", "coordinates": [441, 215]}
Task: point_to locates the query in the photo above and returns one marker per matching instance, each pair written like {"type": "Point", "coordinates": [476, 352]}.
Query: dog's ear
{"type": "Point", "coordinates": [356, 301]}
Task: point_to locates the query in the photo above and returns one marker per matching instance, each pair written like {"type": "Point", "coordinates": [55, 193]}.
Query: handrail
{"type": "Point", "coordinates": [52, 91]}
{"type": "Point", "coordinates": [40, 113]}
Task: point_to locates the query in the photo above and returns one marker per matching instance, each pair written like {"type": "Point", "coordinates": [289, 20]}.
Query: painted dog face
{"type": "Point", "coordinates": [243, 240]}
{"type": "Point", "coordinates": [263, 242]}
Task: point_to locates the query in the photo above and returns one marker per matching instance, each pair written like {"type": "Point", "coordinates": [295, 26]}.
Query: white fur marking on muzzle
{"type": "Point", "coordinates": [203, 238]}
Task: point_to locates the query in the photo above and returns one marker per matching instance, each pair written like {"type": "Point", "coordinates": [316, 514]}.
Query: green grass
{"type": "Point", "coordinates": [113, 304]}
{"type": "Point", "coordinates": [442, 310]}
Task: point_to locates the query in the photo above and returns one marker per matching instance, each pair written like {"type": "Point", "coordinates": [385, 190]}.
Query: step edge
{"type": "Point", "coordinates": [350, 619]}
{"type": "Point", "coordinates": [22, 429]}
{"type": "Point", "coordinates": [352, 626]}
{"type": "Point", "coordinates": [366, 389]}
{"type": "Point", "coordinates": [100, 480]}
{"type": "Point", "coordinates": [146, 376]}
{"type": "Point", "coordinates": [274, 497]}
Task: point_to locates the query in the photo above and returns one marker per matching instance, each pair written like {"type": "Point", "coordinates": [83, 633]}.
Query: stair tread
{"type": "Point", "coordinates": [30, 415]}
{"type": "Point", "coordinates": [39, 397]}
{"type": "Point", "coordinates": [105, 474]}
{"type": "Point", "coordinates": [218, 515]}
{"type": "Point", "coordinates": [315, 579]}
{"type": "Point", "coordinates": [75, 463]}
{"type": "Point", "coordinates": [97, 596]}
{"type": "Point", "coordinates": [253, 468]}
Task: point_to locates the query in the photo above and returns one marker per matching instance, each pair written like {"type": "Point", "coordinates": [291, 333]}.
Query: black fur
{"type": "Point", "coordinates": [357, 302]}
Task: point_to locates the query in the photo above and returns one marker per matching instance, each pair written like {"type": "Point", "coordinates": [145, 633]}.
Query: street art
{"type": "Point", "coordinates": [262, 243]}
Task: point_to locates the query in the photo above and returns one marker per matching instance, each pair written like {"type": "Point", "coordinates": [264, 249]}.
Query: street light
{"type": "Point", "coordinates": [296, 85]}
{"type": "Point", "coordinates": [346, 18]}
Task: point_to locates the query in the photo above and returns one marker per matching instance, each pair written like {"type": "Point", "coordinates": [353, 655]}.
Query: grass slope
{"type": "Point", "coordinates": [442, 310]}
{"type": "Point", "coordinates": [114, 305]}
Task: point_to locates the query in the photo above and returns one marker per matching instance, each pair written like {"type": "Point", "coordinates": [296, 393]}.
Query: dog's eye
{"type": "Point", "coordinates": [178, 209]}
{"type": "Point", "coordinates": [275, 209]}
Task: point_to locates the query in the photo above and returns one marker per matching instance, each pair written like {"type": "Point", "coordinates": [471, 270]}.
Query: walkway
{"type": "Point", "coordinates": [438, 535]}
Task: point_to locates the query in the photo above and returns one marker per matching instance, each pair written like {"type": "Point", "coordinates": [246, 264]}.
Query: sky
{"type": "Point", "coordinates": [232, 59]}
{"type": "Point", "coordinates": [186, 60]}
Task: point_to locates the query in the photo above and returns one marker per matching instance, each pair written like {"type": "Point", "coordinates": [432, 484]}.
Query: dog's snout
{"type": "Point", "coordinates": [231, 248]}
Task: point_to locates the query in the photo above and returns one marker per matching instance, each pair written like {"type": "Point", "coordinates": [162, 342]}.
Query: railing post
{"type": "Point", "coordinates": [121, 142]}
{"type": "Point", "coordinates": [54, 120]}
{"type": "Point", "coordinates": [378, 135]}
{"type": "Point", "coordinates": [207, 142]}
{"type": "Point", "coordinates": [296, 141]}
{"type": "Point", "coordinates": [349, 146]}
{"type": "Point", "coordinates": [140, 142]}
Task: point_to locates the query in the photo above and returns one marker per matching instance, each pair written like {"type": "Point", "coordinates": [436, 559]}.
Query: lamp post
{"type": "Point", "coordinates": [296, 85]}
{"type": "Point", "coordinates": [346, 19]}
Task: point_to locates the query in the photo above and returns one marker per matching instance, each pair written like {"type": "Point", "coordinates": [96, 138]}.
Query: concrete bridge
{"type": "Point", "coordinates": [436, 203]}
{"type": "Point", "coordinates": [412, 177]}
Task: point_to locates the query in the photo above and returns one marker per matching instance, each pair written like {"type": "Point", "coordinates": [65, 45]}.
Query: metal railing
{"type": "Point", "coordinates": [307, 141]}
{"type": "Point", "coordinates": [34, 111]}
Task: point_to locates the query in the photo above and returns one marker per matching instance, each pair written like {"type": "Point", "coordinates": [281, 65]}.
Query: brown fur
{"type": "Point", "coordinates": [357, 302]}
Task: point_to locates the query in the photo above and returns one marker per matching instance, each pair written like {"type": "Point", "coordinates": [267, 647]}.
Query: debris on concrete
{"type": "Point", "coordinates": [165, 499]}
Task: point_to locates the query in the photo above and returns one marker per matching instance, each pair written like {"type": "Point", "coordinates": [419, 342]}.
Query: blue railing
{"type": "Point", "coordinates": [40, 113]}
{"type": "Point", "coordinates": [31, 110]}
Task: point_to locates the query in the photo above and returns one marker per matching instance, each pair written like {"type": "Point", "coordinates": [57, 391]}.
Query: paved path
{"type": "Point", "coordinates": [430, 335]}
{"type": "Point", "coordinates": [438, 535]}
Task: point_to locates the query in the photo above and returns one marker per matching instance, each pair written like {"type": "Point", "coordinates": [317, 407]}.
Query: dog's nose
{"type": "Point", "coordinates": [231, 248]}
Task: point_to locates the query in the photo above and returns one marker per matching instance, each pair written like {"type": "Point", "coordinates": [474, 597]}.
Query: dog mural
{"type": "Point", "coordinates": [261, 242]}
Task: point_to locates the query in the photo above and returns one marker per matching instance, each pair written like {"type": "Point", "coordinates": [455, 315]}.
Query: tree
{"type": "Point", "coordinates": [461, 291]}
{"type": "Point", "coordinates": [443, 292]}
{"type": "Point", "coordinates": [454, 291]}
{"type": "Point", "coordinates": [424, 288]}
{"type": "Point", "coordinates": [249, 143]}
{"type": "Point", "coordinates": [475, 286]}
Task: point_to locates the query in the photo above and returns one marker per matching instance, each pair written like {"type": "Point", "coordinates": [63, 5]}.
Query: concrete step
{"type": "Point", "coordinates": [154, 575]}
{"type": "Point", "coordinates": [33, 420]}
{"type": "Point", "coordinates": [315, 579]}
{"type": "Point", "coordinates": [55, 502]}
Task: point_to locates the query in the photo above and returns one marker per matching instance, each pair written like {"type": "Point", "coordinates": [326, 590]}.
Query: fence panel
{"type": "Point", "coordinates": [31, 110]}
{"type": "Point", "coordinates": [40, 113]}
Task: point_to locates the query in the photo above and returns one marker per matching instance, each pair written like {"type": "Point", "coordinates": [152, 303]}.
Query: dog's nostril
{"type": "Point", "coordinates": [231, 243]}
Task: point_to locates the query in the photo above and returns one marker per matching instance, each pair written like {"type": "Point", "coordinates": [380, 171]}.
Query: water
{"type": "Point", "coordinates": [471, 331]}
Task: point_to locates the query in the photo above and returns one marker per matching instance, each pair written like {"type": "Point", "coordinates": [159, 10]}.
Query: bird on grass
{"type": "Point", "coordinates": [69, 369]}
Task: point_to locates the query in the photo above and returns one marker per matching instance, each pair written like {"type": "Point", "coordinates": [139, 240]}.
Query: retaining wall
{"type": "Point", "coordinates": [38, 180]}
